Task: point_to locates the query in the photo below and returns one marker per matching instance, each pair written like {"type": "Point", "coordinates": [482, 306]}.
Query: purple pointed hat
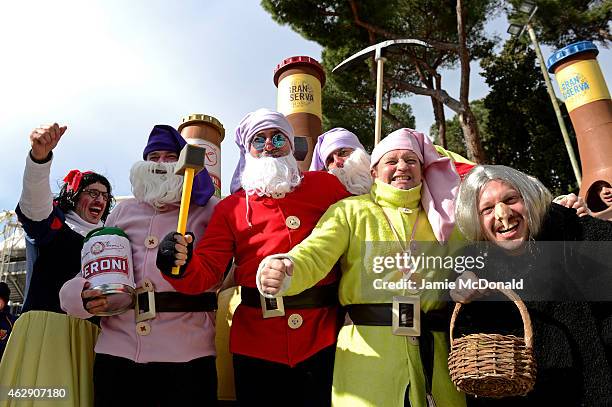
{"type": "Point", "coordinates": [166, 138]}
{"type": "Point", "coordinates": [249, 126]}
{"type": "Point", "coordinates": [331, 141]}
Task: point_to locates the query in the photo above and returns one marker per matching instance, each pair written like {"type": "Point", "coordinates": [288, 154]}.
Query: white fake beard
{"type": "Point", "coordinates": [355, 174]}
{"type": "Point", "coordinates": [156, 189]}
{"type": "Point", "coordinates": [270, 175]}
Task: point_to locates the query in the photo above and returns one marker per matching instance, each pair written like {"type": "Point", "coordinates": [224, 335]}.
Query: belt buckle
{"type": "Point", "coordinates": [406, 319]}
{"type": "Point", "coordinates": [150, 313]}
{"type": "Point", "coordinates": [272, 307]}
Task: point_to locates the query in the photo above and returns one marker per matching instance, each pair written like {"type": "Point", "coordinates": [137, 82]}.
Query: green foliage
{"type": "Point", "coordinates": [454, 134]}
{"type": "Point", "coordinates": [349, 95]}
{"type": "Point", "coordinates": [517, 121]}
{"type": "Point", "coordinates": [562, 22]}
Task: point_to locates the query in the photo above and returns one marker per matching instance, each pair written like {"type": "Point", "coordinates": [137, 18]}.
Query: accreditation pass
{"type": "Point", "coordinates": [32, 393]}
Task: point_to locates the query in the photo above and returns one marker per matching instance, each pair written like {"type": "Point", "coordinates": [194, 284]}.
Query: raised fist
{"type": "Point", "coordinates": [273, 273]}
{"type": "Point", "coordinates": [44, 139]}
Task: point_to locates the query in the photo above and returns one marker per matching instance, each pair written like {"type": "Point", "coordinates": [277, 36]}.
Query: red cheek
{"type": "Point", "coordinates": [83, 203]}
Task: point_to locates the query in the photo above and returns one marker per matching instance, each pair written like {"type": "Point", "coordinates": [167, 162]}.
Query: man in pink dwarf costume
{"type": "Point", "coordinates": [168, 358]}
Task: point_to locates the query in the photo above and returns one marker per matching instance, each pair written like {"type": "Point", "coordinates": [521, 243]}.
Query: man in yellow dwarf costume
{"type": "Point", "coordinates": [410, 203]}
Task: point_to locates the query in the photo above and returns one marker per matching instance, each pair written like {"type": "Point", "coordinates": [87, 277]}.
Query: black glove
{"type": "Point", "coordinates": [166, 255]}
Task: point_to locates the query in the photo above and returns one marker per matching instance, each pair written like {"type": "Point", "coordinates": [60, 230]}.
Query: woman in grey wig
{"type": "Point", "coordinates": [573, 338]}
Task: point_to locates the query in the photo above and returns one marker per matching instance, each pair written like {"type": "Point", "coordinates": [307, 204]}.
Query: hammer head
{"type": "Point", "coordinates": [191, 157]}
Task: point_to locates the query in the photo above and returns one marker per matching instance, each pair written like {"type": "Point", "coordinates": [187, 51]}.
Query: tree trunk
{"type": "Point", "coordinates": [471, 135]}
{"type": "Point", "coordinates": [438, 108]}
{"type": "Point", "coordinates": [469, 125]}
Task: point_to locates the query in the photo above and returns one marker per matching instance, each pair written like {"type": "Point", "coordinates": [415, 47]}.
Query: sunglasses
{"type": "Point", "coordinates": [94, 194]}
{"type": "Point", "coordinates": [259, 142]}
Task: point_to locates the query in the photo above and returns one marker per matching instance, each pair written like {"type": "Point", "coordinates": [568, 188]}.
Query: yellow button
{"type": "Point", "coordinates": [292, 222]}
{"type": "Point", "coordinates": [151, 242]}
{"type": "Point", "coordinates": [278, 195]}
{"type": "Point", "coordinates": [143, 328]}
{"type": "Point", "coordinates": [295, 321]}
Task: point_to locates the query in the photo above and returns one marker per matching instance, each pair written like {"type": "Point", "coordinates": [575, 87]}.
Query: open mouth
{"type": "Point", "coordinates": [96, 211]}
{"type": "Point", "coordinates": [402, 178]}
{"type": "Point", "coordinates": [159, 171]}
{"type": "Point", "coordinates": [510, 229]}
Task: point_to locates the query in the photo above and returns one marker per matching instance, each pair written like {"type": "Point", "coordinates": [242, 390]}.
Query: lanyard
{"type": "Point", "coordinates": [408, 272]}
{"type": "Point", "coordinates": [398, 239]}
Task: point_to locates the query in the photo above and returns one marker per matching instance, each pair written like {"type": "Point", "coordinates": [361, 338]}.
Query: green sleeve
{"type": "Point", "coordinates": [315, 256]}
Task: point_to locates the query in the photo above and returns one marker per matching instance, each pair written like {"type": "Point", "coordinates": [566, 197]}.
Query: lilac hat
{"type": "Point", "coordinates": [166, 138]}
{"type": "Point", "coordinates": [249, 126]}
{"type": "Point", "coordinates": [440, 178]}
{"type": "Point", "coordinates": [330, 141]}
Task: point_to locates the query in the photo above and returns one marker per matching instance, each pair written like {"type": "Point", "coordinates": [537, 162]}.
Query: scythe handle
{"type": "Point", "coordinates": [379, 91]}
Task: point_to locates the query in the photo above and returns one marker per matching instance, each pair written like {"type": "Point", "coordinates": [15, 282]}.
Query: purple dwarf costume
{"type": "Point", "coordinates": [330, 141]}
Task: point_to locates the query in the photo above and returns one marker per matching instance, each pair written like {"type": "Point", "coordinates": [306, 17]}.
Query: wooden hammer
{"type": "Point", "coordinates": [190, 162]}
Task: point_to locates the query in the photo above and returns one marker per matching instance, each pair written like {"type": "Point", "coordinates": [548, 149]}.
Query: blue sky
{"type": "Point", "coordinates": [111, 69]}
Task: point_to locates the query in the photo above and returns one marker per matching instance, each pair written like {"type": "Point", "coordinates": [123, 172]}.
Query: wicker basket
{"type": "Point", "coordinates": [493, 365]}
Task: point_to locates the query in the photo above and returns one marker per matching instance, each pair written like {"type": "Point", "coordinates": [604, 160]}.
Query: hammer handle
{"type": "Point", "coordinates": [184, 209]}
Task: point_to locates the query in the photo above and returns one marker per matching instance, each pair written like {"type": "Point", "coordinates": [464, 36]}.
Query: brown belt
{"type": "Point", "coordinates": [319, 296]}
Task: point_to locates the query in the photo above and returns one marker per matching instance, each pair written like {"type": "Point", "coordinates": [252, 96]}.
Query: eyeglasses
{"type": "Point", "coordinates": [94, 194]}
{"type": "Point", "coordinates": [259, 142]}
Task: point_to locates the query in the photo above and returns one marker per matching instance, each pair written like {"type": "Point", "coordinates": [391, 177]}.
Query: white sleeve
{"type": "Point", "coordinates": [36, 201]}
{"type": "Point", "coordinates": [286, 282]}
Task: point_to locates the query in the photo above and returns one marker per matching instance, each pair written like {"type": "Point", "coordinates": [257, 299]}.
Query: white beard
{"type": "Point", "coordinates": [156, 189]}
{"type": "Point", "coordinates": [270, 175]}
{"type": "Point", "coordinates": [355, 174]}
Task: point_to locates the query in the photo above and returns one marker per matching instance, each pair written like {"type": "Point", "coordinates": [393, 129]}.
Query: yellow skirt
{"type": "Point", "coordinates": [51, 351]}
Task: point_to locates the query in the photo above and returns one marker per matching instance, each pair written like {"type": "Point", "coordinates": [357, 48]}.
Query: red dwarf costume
{"type": "Point", "coordinates": [272, 231]}
{"type": "Point", "coordinates": [248, 227]}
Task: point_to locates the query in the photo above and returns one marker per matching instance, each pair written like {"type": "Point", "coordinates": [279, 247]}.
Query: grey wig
{"type": "Point", "coordinates": [535, 195]}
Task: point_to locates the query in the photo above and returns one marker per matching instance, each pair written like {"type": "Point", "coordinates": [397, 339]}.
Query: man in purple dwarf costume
{"type": "Point", "coordinates": [168, 358]}
{"type": "Point", "coordinates": [339, 152]}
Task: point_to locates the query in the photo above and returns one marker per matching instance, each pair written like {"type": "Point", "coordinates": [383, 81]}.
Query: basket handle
{"type": "Point", "coordinates": [528, 332]}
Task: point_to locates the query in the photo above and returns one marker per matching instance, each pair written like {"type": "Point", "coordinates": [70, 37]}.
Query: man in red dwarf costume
{"type": "Point", "coordinates": [272, 208]}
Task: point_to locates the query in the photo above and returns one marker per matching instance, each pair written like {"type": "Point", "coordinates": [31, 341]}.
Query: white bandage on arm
{"type": "Point", "coordinates": [286, 282]}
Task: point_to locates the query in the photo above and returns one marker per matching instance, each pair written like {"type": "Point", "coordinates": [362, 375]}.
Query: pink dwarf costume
{"type": "Point", "coordinates": [168, 357]}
